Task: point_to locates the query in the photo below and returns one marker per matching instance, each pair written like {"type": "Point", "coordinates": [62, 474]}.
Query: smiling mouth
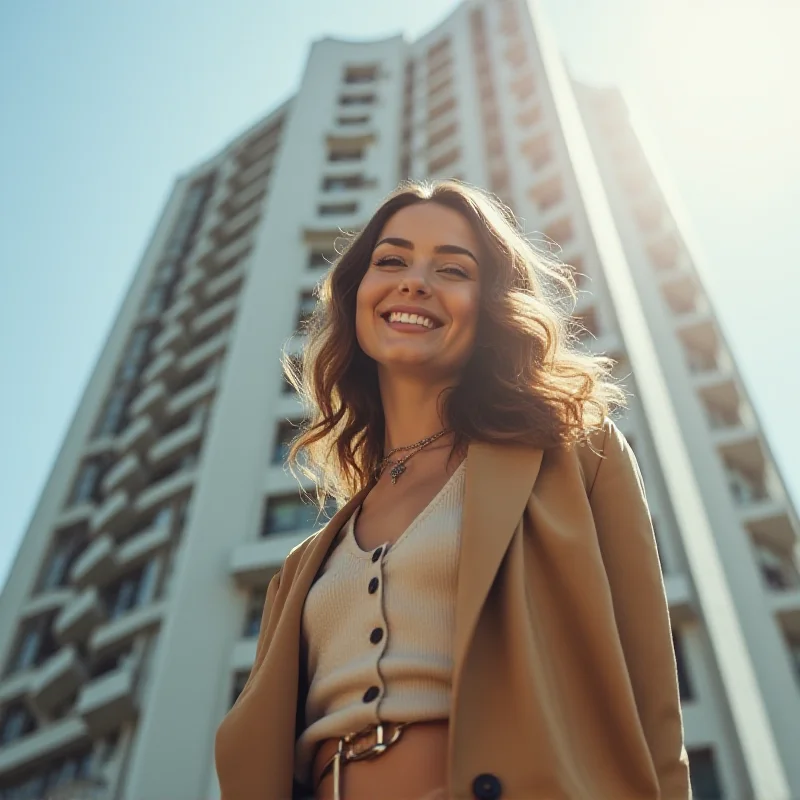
{"type": "Point", "coordinates": [413, 323]}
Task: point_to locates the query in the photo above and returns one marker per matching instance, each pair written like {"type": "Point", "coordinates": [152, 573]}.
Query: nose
{"type": "Point", "coordinates": [414, 284]}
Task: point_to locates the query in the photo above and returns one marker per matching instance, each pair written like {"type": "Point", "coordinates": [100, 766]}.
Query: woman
{"type": "Point", "coordinates": [485, 615]}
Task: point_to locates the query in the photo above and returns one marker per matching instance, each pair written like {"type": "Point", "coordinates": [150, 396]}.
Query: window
{"type": "Point", "coordinates": [538, 151]}
{"type": "Point", "coordinates": [114, 414]}
{"type": "Point", "coordinates": [130, 591]}
{"type": "Point", "coordinates": [548, 194]}
{"type": "Point", "coordinates": [333, 209]}
{"type": "Point", "coordinates": [346, 154]}
{"type": "Point", "coordinates": [361, 119]}
{"type": "Point", "coordinates": [445, 160]}
{"type": "Point", "coordinates": [239, 680]}
{"type": "Point", "coordinates": [306, 306]}
{"type": "Point", "coordinates": [137, 349]}
{"type": "Point", "coordinates": [589, 326]}
{"type": "Point", "coordinates": [86, 488]}
{"type": "Point", "coordinates": [357, 99]}
{"type": "Point", "coordinates": [286, 431]}
{"type": "Point", "coordinates": [703, 774]}
{"type": "Point", "coordinates": [62, 556]}
{"type": "Point", "coordinates": [560, 231]}
{"type": "Point", "coordinates": [35, 643]}
{"type": "Point", "coordinates": [252, 617]}
{"type": "Point", "coordinates": [286, 386]}
{"type": "Point", "coordinates": [343, 183]}
{"type": "Point", "coordinates": [321, 259]}
{"type": "Point", "coordinates": [16, 722]}
{"type": "Point", "coordinates": [438, 49]}
{"type": "Point", "coordinates": [684, 684]}
{"type": "Point", "coordinates": [285, 513]}
{"type": "Point", "coordinates": [442, 134]}
{"type": "Point", "coordinates": [155, 301]}
{"type": "Point", "coordinates": [442, 109]}
{"type": "Point", "coordinates": [365, 74]}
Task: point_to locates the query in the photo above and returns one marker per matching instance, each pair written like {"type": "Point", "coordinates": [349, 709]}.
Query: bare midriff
{"type": "Point", "coordinates": [414, 767]}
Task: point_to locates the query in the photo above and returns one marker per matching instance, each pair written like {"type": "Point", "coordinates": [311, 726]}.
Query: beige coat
{"type": "Point", "coordinates": [564, 677]}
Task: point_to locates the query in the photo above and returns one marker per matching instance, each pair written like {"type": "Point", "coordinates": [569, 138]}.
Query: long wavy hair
{"type": "Point", "coordinates": [526, 381]}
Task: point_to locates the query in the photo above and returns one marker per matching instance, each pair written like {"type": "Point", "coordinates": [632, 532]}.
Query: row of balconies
{"type": "Point", "coordinates": [102, 704]}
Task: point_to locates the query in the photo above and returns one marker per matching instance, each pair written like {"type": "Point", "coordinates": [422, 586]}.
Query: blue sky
{"type": "Point", "coordinates": [103, 104]}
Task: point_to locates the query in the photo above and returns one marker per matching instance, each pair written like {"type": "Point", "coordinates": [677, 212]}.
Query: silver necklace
{"type": "Point", "coordinates": [399, 465]}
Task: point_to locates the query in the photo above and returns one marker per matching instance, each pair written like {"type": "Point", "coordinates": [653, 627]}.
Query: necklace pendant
{"type": "Point", "coordinates": [396, 471]}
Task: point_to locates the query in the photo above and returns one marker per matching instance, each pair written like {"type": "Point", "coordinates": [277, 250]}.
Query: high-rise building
{"type": "Point", "coordinates": [128, 621]}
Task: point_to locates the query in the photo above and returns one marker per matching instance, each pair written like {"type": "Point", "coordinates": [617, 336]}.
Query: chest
{"type": "Point", "coordinates": [391, 510]}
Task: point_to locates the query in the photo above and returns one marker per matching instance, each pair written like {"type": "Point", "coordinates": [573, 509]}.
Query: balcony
{"type": "Point", "coordinates": [237, 225]}
{"type": "Point", "coordinates": [173, 337]}
{"type": "Point", "coordinates": [244, 177]}
{"type": "Point", "coordinates": [76, 518]}
{"type": "Point", "coordinates": [192, 282]}
{"type": "Point", "coordinates": [243, 655]}
{"type": "Point", "coordinates": [176, 485]}
{"type": "Point", "coordinates": [57, 679]}
{"type": "Point", "coordinates": [768, 522]}
{"type": "Point", "coordinates": [127, 474]}
{"type": "Point", "coordinates": [114, 515]}
{"type": "Point", "coordinates": [150, 400]}
{"type": "Point", "coordinates": [100, 446]}
{"type": "Point", "coordinates": [138, 436]}
{"type": "Point", "coordinates": [17, 685]}
{"type": "Point", "coordinates": [109, 701]}
{"type": "Point", "coordinates": [193, 393]}
{"type": "Point", "coordinates": [253, 564]}
{"type": "Point", "coordinates": [786, 606]}
{"type": "Point", "coordinates": [227, 256]}
{"type": "Point", "coordinates": [225, 283]}
{"type": "Point", "coordinates": [176, 444]}
{"type": "Point", "coordinates": [44, 602]}
{"type": "Point", "coordinates": [180, 310]}
{"type": "Point", "coordinates": [77, 619]}
{"type": "Point", "coordinates": [95, 566]}
{"type": "Point", "coordinates": [140, 548]}
{"type": "Point", "coordinates": [238, 201]}
{"type": "Point", "coordinates": [48, 742]}
{"type": "Point", "coordinates": [162, 368]}
{"type": "Point", "coordinates": [118, 633]}
{"type": "Point", "coordinates": [216, 317]}
{"type": "Point", "coordinates": [205, 352]}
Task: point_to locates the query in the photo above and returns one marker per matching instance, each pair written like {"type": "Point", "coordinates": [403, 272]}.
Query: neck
{"type": "Point", "coordinates": [411, 408]}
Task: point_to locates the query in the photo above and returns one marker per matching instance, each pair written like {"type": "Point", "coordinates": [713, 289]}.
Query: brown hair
{"type": "Point", "coordinates": [525, 382]}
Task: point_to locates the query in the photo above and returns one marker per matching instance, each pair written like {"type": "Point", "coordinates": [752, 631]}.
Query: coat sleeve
{"type": "Point", "coordinates": [628, 546]}
{"type": "Point", "coordinates": [268, 620]}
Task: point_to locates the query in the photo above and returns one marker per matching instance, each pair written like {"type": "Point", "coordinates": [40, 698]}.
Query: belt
{"type": "Point", "coordinates": [368, 743]}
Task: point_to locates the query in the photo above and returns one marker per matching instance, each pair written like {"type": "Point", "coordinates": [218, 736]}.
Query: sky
{"type": "Point", "coordinates": [103, 104]}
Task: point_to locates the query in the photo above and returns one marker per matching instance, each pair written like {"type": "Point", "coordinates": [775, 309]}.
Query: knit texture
{"type": "Point", "coordinates": [384, 655]}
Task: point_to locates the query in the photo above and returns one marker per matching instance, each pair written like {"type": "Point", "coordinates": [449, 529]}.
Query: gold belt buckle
{"type": "Point", "coordinates": [374, 750]}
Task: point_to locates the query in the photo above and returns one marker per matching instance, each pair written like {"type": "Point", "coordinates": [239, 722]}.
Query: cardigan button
{"type": "Point", "coordinates": [371, 694]}
{"type": "Point", "coordinates": [373, 586]}
{"type": "Point", "coordinates": [487, 787]}
{"type": "Point", "coordinates": [377, 554]}
{"type": "Point", "coordinates": [376, 635]}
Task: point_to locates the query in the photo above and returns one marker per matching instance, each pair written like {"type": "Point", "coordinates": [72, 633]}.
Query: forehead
{"type": "Point", "coordinates": [430, 224]}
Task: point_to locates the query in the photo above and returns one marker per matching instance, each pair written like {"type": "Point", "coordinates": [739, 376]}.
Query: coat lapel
{"type": "Point", "coordinates": [499, 482]}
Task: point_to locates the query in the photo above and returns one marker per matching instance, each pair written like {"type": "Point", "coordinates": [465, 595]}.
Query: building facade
{"type": "Point", "coordinates": [128, 620]}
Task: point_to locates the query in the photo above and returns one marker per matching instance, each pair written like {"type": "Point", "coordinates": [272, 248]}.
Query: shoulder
{"type": "Point", "coordinates": [295, 559]}
{"type": "Point", "coordinates": [599, 445]}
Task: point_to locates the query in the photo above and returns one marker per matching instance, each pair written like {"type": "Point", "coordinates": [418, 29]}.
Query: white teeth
{"type": "Point", "coordinates": [410, 319]}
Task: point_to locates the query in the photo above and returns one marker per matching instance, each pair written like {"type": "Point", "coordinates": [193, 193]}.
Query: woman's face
{"type": "Point", "coordinates": [417, 304]}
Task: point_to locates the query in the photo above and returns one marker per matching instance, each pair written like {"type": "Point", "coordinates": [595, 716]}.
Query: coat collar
{"type": "Point", "coordinates": [499, 480]}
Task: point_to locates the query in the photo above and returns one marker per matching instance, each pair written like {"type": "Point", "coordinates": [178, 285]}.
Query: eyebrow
{"type": "Point", "coordinates": [448, 249]}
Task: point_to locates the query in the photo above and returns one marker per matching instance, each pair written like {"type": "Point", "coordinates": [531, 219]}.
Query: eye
{"type": "Point", "coordinates": [390, 261]}
{"type": "Point", "coordinates": [456, 270]}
